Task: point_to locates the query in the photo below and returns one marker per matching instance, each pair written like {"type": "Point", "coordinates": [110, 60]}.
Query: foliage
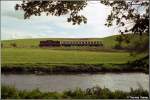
{"type": "Point", "coordinates": [133, 15]}
{"type": "Point", "coordinates": [139, 44]}
{"type": "Point", "coordinates": [133, 43]}
{"type": "Point", "coordinates": [13, 45]}
{"type": "Point", "coordinates": [119, 39]}
{"type": "Point", "coordinates": [123, 11]}
{"type": "Point", "coordinates": [143, 61]}
{"type": "Point", "coordinates": [1, 45]}
{"type": "Point", "coordinates": [54, 8]}
{"type": "Point", "coordinates": [9, 92]}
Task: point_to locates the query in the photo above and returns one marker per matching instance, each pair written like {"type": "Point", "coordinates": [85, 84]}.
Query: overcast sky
{"type": "Point", "coordinates": [13, 25]}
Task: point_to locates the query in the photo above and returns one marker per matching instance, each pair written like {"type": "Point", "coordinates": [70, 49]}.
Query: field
{"type": "Point", "coordinates": [28, 55]}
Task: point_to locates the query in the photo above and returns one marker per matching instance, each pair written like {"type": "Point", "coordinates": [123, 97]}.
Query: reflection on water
{"type": "Point", "coordinates": [64, 82]}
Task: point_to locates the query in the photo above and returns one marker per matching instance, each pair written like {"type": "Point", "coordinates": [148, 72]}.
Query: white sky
{"type": "Point", "coordinates": [13, 26]}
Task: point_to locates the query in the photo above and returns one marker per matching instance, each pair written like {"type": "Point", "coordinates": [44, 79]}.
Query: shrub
{"type": "Point", "coordinates": [13, 45]}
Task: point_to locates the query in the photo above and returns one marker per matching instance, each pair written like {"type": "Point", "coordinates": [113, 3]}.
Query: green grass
{"type": "Point", "coordinates": [38, 55]}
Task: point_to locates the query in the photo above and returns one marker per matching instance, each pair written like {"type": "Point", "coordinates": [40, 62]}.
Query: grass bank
{"type": "Point", "coordinates": [9, 92]}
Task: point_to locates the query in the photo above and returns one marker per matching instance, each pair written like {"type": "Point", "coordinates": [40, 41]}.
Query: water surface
{"type": "Point", "coordinates": [60, 83]}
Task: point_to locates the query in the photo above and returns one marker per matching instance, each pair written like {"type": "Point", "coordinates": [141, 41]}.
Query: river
{"type": "Point", "coordinates": [123, 81]}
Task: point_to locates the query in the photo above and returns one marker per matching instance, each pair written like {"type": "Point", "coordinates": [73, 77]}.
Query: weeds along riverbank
{"type": "Point", "coordinates": [10, 92]}
{"type": "Point", "coordinates": [71, 68]}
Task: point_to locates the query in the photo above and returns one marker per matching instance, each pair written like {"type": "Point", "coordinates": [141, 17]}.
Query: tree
{"type": "Point", "coordinates": [119, 39]}
{"type": "Point", "coordinates": [125, 13]}
{"type": "Point", "coordinates": [133, 15]}
{"type": "Point", "coordinates": [54, 8]}
{"type": "Point", "coordinates": [139, 44]}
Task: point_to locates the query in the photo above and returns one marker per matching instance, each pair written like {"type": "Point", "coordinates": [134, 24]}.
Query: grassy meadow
{"type": "Point", "coordinates": [31, 55]}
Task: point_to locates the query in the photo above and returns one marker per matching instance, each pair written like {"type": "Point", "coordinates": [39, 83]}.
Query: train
{"type": "Point", "coordinates": [52, 43]}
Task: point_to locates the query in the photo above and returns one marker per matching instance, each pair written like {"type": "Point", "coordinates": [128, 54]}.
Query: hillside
{"type": "Point", "coordinates": [107, 41]}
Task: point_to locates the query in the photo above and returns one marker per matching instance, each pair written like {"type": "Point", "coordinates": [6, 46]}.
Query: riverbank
{"type": "Point", "coordinates": [70, 68]}
{"type": "Point", "coordinates": [9, 92]}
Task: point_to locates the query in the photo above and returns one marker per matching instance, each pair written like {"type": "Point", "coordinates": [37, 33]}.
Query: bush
{"type": "Point", "coordinates": [1, 45]}
{"type": "Point", "coordinates": [118, 46]}
{"type": "Point", "coordinates": [9, 92]}
{"type": "Point", "coordinates": [13, 45]}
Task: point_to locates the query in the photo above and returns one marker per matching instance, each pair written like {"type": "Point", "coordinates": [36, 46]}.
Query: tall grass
{"type": "Point", "coordinates": [9, 92]}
